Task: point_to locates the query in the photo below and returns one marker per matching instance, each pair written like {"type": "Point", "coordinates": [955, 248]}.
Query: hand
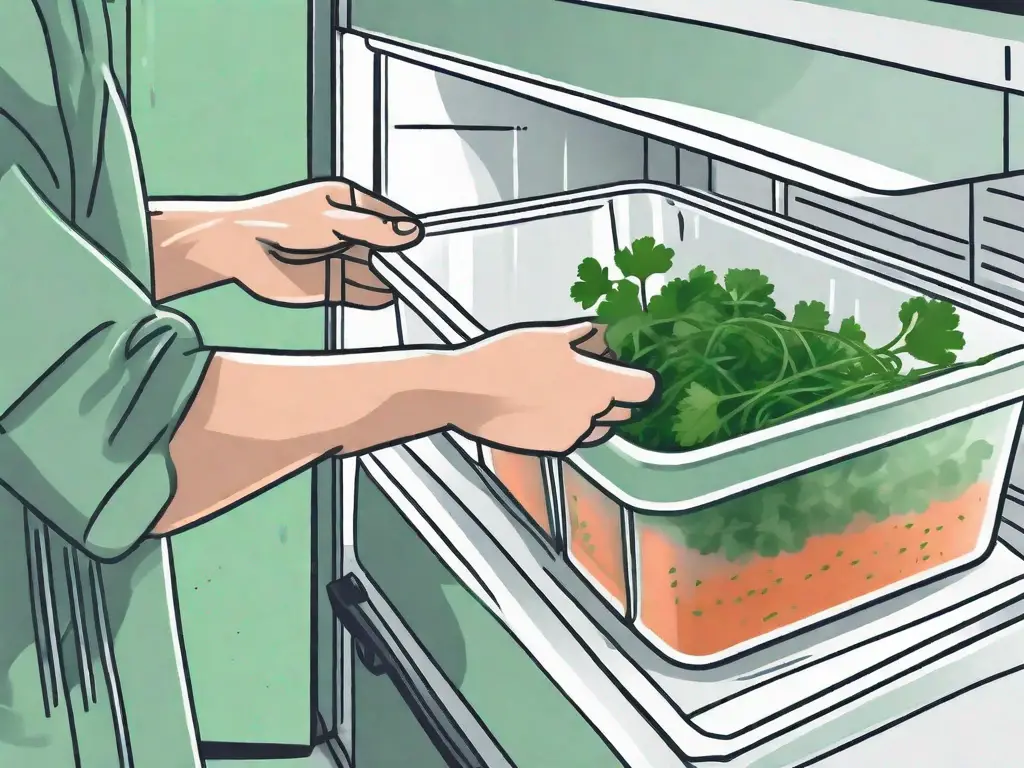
{"type": "Point", "coordinates": [300, 245]}
{"type": "Point", "coordinates": [544, 389]}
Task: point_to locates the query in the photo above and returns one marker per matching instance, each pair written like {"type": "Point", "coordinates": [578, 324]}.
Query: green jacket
{"type": "Point", "coordinates": [93, 382]}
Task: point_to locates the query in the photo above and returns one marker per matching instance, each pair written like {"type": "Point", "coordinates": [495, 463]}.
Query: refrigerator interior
{"type": "Point", "coordinates": [447, 143]}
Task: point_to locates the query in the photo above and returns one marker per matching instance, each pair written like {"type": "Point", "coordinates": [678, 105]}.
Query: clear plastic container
{"type": "Point", "coordinates": [716, 582]}
{"type": "Point", "coordinates": [632, 519]}
{"type": "Point", "coordinates": [595, 536]}
{"type": "Point", "coordinates": [525, 478]}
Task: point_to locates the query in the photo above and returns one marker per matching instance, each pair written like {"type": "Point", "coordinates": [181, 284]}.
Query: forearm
{"type": "Point", "coordinates": [259, 418]}
{"type": "Point", "coordinates": [186, 236]}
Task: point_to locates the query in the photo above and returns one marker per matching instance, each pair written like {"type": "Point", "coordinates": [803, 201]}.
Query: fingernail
{"type": "Point", "coordinates": [405, 226]}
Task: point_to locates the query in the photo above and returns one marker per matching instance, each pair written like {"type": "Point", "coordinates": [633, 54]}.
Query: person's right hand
{"type": "Point", "coordinates": [544, 389]}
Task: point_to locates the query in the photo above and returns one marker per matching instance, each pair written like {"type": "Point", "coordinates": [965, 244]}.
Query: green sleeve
{"type": "Point", "coordinates": [93, 378]}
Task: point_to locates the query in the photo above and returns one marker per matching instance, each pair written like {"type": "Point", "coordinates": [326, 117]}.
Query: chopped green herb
{"type": "Point", "coordinates": [698, 613]}
{"type": "Point", "coordinates": [674, 584]}
{"type": "Point", "coordinates": [770, 616]}
{"type": "Point", "coordinates": [731, 363]}
{"type": "Point", "coordinates": [672, 569]}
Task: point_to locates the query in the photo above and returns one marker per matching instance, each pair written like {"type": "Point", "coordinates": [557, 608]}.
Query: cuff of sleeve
{"type": "Point", "coordinates": [88, 447]}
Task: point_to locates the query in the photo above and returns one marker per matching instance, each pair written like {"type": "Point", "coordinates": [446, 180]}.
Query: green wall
{"type": "Point", "coordinates": [218, 99]}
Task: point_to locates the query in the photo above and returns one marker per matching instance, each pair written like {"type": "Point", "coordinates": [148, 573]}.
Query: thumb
{"type": "Point", "coordinates": [376, 230]}
{"type": "Point", "coordinates": [577, 331]}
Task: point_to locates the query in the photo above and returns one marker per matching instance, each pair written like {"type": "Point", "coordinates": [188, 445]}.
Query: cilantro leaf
{"type": "Point", "coordinates": [623, 328]}
{"type": "Point", "coordinates": [699, 295]}
{"type": "Point", "coordinates": [671, 299]}
{"type": "Point", "coordinates": [696, 416]}
{"type": "Point", "coordinates": [593, 284]}
{"type": "Point", "coordinates": [814, 315]}
{"type": "Point", "coordinates": [751, 290]}
{"type": "Point", "coordinates": [620, 302]}
{"type": "Point", "coordinates": [933, 336]}
{"type": "Point", "coordinates": [644, 259]}
{"type": "Point", "coordinates": [850, 329]}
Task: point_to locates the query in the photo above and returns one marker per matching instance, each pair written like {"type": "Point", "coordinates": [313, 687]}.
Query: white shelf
{"type": "Point", "coordinates": [979, 59]}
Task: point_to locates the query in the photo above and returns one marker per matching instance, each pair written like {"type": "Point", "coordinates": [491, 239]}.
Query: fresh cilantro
{"type": "Point", "coordinates": [621, 303]}
{"type": "Point", "coordinates": [931, 331]}
{"type": "Point", "coordinates": [783, 516]}
{"type": "Point", "coordinates": [813, 316]}
{"type": "Point", "coordinates": [850, 329]}
{"type": "Point", "coordinates": [697, 416]}
{"type": "Point", "coordinates": [644, 260]}
{"type": "Point", "coordinates": [593, 284]}
{"type": "Point", "coordinates": [731, 362]}
{"type": "Point", "coordinates": [750, 291]}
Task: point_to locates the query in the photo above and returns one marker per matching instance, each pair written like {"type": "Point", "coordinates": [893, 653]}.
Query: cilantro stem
{"type": "Point", "coordinates": [759, 394]}
{"type": "Point", "coordinates": [864, 349]}
{"type": "Point", "coordinates": [836, 394]}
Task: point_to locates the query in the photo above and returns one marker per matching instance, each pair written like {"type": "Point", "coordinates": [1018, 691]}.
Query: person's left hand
{"type": "Point", "coordinates": [312, 242]}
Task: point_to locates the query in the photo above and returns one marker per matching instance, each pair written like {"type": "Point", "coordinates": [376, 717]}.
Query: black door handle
{"type": "Point", "coordinates": [351, 607]}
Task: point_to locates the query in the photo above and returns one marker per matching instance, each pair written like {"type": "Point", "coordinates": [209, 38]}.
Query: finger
{"type": "Point", "coordinates": [357, 253]}
{"type": "Point", "coordinates": [397, 227]}
{"type": "Point", "coordinates": [363, 227]}
{"type": "Point", "coordinates": [295, 256]}
{"type": "Point", "coordinates": [594, 345]}
{"type": "Point", "coordinates": [364, 198]}
{"type": "Point", "coordinates": [596, 436]}
{"type": "Point", "coordinates": [361, 298]}
{"type": "Point", "coordinates": [577, 331]}
{"type": "Point", "coordinates": [627, 385]}
{"type": "Point", "coordinates": [363, 275]}
{"type": "Point", "coordinates": [614, 414]}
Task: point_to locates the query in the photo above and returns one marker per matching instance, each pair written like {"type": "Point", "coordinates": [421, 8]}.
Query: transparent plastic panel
{"type": "Point", "coordinates": [736, 574]}
{"type": "Point", "coordinates": [522, 476]}
{"type": "Point", "coordinates": [594, 534]}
